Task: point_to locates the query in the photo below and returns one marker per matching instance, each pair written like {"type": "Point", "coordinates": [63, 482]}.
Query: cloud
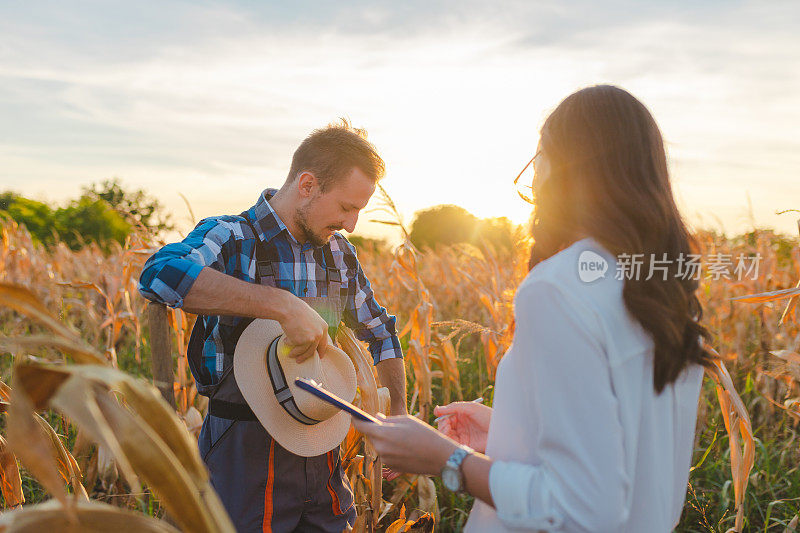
{"type": "Point", "coordinates": [210, 97]}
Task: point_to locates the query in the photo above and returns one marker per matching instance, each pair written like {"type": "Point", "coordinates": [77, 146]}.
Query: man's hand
{"type": "Point", "coordinates": [215, 293]}
{"type": "Point", "coordinates": [304, 330]}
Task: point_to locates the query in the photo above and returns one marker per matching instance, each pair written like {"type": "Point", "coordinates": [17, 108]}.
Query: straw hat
{"type": "Point", "coordinates": [296, 419]}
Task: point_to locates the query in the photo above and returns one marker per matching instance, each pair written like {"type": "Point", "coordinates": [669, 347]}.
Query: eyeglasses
{"type": "Point", "coordinates": [526, 191]}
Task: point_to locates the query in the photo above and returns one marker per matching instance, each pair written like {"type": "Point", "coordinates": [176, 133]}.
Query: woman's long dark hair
{"type": "Point", "coordinates": [609, 181]}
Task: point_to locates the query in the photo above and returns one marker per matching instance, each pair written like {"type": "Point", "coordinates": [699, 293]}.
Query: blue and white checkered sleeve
{"type": "Point", "coordinates": [169, 274]}
{"type": "Point", "coordinates": [370, 321]}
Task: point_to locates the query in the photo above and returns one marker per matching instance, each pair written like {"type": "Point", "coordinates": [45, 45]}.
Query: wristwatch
{"type": "Point", "coordinates": [452, 478]}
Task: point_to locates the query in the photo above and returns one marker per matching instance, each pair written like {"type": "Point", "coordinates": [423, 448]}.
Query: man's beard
{"type": "Point", "coordinates": [308, 234]}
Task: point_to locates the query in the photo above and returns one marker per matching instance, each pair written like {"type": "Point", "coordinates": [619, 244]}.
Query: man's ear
{"type": "Point", "coordinates": [307, 184]}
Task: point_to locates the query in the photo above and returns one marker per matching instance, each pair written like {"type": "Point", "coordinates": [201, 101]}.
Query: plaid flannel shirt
{"type": "Point", "coordinates": [227, 244]}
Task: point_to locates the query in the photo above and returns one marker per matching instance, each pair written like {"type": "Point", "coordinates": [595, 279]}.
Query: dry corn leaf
{"type": "Point", "coordinates": [354, 467]}
{"type": "Point", "coordinates": [426, 494]}
{"type": "Point", "coordinates": [790, 306]}
{"type": "Point", "coordinates": [423, 524]}
{"type": "Point", "coordinates": [153, 444]}
{"type": "Point", "coordinates": [25, 302]}
{"type": "Point", "coordinates": [89, 517]}
{"type": "Point", "coordinates": [5, 392]}
{"type": "Point", "coordinates": [768, 296]}
{"type": "Point", "coordinates": [360, 524]}
{"type": "Point", "coordinates": [39, 382]}
{"type": "Point", "coordinates": [10, 480]}
{"type": "Point", "coordinates": [787, 355]}
{"type": "Point", "coordinates": [67, 466]}
{"type": "Point", "coordinates": [80, 352]}
{"type": "Point", "coordinates": [366, 379]}
{"type": "Point", "coordinates": [370, 403]}
{"type": "Point", "coordinates": [77, 398]}
{"type": "Point", "coordinates": [450, 367]}
{"type": "Point", "coordinates": [82, 446]}
{"type": "Point", "coordinates": [396, 526]}
{"type": "Point", "coordinates": [350, 446]}
{"type": "Point", "coordinates": [147, 402]}
{"type": "Point", "coordinates": [402, 488]}
{"type": "Point", "coordinates": [162, 472]}
{"type": "Point", "coordinates": [31, 446]}
{"type": "Point", "coordinates": [105, 468]}
{"type": "Point", "coordinates": [384, 400]}
{"type": "Point", "coordinates": [791, 527]}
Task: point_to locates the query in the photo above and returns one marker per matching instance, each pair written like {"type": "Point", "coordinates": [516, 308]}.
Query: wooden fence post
{"type": "Point", "coordinates": [161, 351]}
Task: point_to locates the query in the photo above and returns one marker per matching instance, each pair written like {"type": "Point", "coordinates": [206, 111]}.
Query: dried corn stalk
{"type": "Point", "coordinates": [740, 433]}
{"type": "Point", "coordinates": [367, 483]}
{"type": "Point", "coordinates": [365, 471]}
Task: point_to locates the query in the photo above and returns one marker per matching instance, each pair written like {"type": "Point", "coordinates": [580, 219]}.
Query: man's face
{"type": "Point", "coordinates": [335, 209]}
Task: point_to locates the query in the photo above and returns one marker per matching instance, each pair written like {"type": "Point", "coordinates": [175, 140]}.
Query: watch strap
{"type": "Point", "coordinates": [458, 456]}
{"type": "Point", "coordinates": [454, 463]}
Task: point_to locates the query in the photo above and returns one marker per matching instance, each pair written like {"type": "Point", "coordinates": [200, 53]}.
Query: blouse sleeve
{"type": "Point", "coordinates": [581, 483]}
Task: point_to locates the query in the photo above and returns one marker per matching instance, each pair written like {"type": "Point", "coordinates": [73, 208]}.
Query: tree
{"type": "Point", "coordinates": [500, 233]}
{"type": "Point", "coordinates": [368, 243]}
{"type": "Point", "coordinates": [37, 216]}
{"type": "Point", "coordinates": [442, 224]}
{"type": "Point", "coordinates": [90, 220]}
{"type": "Point", "coordinates": [137, 206]}
{"type": "Point", "coordinates": [450, 224]}
{"type": "Point", "coordinates": [6, 199]}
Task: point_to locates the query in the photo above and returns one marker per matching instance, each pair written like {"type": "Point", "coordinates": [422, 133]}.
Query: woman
{"type": "Point", "coordinates": [596, 401]}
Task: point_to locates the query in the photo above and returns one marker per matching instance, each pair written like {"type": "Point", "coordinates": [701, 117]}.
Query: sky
{"type": "Point", "coordinates": [209, 99]}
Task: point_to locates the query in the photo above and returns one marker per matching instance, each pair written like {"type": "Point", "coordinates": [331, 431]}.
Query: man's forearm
{"type": "Point", "coordinates": [215, 293]}
{"type": "Point", "coordinates": [392, 374]}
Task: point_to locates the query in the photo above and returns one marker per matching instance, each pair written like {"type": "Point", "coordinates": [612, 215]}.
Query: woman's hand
{"type": "Point", "coordinates": [406, 444]}
{"type": "Point", "coordinates": [468, 423]}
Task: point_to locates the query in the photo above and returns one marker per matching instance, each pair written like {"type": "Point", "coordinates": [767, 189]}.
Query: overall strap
{"type": "Point", "coordinates": [263, 264]}
{"type": "Point", "coordinates": [225, 399]}
{"type": "Point", "coordinates": [333, 276]}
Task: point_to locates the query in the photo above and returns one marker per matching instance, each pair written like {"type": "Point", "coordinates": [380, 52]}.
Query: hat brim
{"type": "Point", "coordinates": [250, 371]}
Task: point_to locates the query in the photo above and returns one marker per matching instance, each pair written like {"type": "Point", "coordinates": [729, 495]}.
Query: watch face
{"type": "Point", "coordinates": [450, 479]}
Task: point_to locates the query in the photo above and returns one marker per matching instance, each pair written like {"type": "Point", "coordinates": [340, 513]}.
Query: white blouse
{"type": "Point", "coordinates": [579, 438]}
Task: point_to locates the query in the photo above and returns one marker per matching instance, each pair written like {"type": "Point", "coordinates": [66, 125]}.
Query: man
{"type": "Point", "coordinates": [282, 259]}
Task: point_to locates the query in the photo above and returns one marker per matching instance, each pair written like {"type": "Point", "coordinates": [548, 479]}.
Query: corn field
{"type": "Point", "coordinates": [89, 444]}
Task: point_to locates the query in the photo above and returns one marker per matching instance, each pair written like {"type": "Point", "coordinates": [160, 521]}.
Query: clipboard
{"type": "Point", "coordinates": [309, 385]}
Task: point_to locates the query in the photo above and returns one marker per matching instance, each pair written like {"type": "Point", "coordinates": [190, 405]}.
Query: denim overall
{"type": "Point", "coordinates": [263, 486]}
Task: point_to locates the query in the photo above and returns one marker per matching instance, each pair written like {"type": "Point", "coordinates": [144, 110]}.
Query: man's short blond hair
{"type": "Point", "coordinates": [330, 153]}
